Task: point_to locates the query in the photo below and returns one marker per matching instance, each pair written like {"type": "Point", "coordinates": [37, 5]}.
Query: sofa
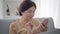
{"type": "Point", "coordinates": [4, 26]}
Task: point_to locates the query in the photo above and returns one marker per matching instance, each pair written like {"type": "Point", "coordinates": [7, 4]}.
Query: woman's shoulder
{"type": "Point", "coordinates": [15, 25]}
{"type": "Point", "coordinates": [14, 22]}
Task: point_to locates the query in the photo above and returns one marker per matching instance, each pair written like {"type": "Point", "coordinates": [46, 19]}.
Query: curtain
{"type": "Point", "coordinates": [49, 8]}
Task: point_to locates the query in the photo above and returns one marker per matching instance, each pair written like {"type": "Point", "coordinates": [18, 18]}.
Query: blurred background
{"type": "Point", "coordinates": [45, 9]}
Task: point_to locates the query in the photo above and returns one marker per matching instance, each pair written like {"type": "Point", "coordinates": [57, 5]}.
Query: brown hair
{"type": "Point", "coordinates": [25, 5]}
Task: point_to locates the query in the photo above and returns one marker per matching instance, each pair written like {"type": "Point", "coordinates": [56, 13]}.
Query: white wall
{"type": "Point", "coordinates": [38, 9]}
{"type": "Point", "coordinates": [1, 9]}
{"type": "Point", "coordinates": [13, 5]}
{"type": "Point", "coordinates": [58, 15]}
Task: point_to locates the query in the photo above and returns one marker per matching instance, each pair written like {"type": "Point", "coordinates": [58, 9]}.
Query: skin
{"type": "Point", "coordinates": [27, 16]}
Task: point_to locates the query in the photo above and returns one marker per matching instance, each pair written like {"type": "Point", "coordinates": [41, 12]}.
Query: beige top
{"type": "Point", "coordinates": [17, 28]}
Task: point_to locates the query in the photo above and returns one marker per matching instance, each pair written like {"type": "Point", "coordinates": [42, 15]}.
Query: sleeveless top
{"type": "Point", "coordinates": [17, 28]}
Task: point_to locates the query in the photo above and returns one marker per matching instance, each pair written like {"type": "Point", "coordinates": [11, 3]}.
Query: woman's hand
{"type": "Point", "coordinates": [29, 26]}
{"type": "Point", "coordinates": [43, 26]}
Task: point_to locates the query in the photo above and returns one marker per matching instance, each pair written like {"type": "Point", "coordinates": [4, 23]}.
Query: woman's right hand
{"type": "Point", "coordinates": [43, 26]}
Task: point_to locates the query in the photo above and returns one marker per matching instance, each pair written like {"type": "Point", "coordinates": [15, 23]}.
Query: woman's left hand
{"type": "Point", "coordinates": [29, 26]}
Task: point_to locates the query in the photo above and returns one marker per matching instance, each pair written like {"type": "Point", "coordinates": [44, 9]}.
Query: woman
{"type": "Point", "coordinates": [27, 25]}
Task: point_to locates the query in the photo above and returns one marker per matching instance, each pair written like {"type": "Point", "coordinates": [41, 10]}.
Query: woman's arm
{"type": "Point", "coordinates": [11, 31]}
{"type": "Point", "coordinates": [23, 31]}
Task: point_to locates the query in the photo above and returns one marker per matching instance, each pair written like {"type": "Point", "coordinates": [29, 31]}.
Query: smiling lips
{"type": "Point", "coordinates": [30, 16]}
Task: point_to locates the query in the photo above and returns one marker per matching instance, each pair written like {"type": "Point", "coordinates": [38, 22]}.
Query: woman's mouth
{"type": "Point", "coordinates": [31, 16]}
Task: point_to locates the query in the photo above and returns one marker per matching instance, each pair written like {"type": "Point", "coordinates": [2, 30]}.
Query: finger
{"type": "Point", "coordinates": [44, 28]}
{"type": "Point", "coordinates": [45, 25]}
{"type": "Point", "coordinates": [41, 29]}
{"type": "Point", "coordinates": [45, 21]}
{"type": "Point", "coordinates": [27, 24]}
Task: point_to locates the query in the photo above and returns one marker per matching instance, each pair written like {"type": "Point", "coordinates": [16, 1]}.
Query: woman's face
{"type": "Point", "coordinates": [29, 13]}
